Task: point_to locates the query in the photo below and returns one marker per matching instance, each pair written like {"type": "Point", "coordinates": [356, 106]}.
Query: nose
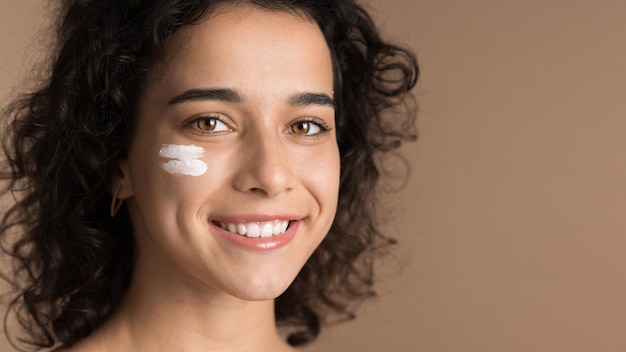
{"type": "Point", "coordinates": [265, 168]}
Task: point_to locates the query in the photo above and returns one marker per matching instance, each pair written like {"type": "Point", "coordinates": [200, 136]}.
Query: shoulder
{"type": "Point", "coordinates": [80, 347]}
{"type": "Point", "coordinates": [75, 349]}
{"type": "Point", "coordinates": [65, 349]}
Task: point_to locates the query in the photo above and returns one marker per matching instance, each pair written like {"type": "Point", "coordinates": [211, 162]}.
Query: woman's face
{"type": "Point", "coordinates": [234, 134]}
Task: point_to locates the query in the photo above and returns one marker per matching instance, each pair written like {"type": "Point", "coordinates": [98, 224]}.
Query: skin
{"type": "Point", "coordinates": [192, 289]}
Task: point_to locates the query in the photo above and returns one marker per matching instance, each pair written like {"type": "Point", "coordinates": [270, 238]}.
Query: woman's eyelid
{"type": "Point", "coordinates": [323, 125]}
{"type": "Point", "coordinates": [218, 117]}
{"type": "Point", "coordinates": [229, 125]}
{"type": "Point", "coordinates": [317, 129]}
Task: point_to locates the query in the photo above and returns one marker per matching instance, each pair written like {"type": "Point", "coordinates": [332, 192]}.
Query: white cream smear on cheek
{"type": "Point", "coordinates": [184, 159]}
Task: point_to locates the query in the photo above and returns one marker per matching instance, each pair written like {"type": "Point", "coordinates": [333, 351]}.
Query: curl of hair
{"type": "Point", "coordinates": [73, 263]}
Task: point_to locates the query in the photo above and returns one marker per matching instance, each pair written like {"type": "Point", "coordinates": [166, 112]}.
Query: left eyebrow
{"type": "Point", "coordinates": [303, 99]}
{"type": "Point", "coordinates": [221, 94]}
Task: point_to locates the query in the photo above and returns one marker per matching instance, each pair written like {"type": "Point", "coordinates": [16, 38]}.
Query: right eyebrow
{"type": "Point", "coordinates": [196, 94]}
{"type": "Point", "coordinates": [303, 99]}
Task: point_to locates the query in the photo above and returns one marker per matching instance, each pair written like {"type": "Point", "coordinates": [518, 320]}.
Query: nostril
{"type": "Point", "coordinates": [265, 176]}
{"type": "Point", "coordinates": [258, 190]}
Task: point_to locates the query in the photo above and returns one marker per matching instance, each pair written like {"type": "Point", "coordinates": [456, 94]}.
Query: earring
{"type": "Point", "coordinates": [116, 203]}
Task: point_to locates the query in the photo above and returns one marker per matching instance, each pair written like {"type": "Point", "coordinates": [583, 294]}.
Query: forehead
{"type": "Point", "coordinates": [230, 33]}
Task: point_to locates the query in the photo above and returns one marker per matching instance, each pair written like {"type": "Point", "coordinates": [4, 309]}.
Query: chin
{"type": "Point", "coordinates": [263, 289]}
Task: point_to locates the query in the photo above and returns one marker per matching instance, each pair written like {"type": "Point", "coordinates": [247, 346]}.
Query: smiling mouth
{"type": "Point", "coordinates": [256, 229]}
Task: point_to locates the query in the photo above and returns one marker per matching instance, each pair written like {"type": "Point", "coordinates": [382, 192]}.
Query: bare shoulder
{"type": "Point", "coordinates": [76, 349]}
{"type": "Point", "coordinates": [69, 349]}
{"type": "Point", "coordinates": [83, 346]}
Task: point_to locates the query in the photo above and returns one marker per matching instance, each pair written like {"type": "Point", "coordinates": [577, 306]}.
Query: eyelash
{"type": "Point", "coordinates": [324, 128]}
{"type": "Point", "coordinates": [193, 123]}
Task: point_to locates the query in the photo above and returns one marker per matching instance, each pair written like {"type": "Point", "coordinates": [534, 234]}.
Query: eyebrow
{"type": "Point", "coordinates": [222, 94]}
{"type": "Point", "coordinates": [303, 99]}
{"type": "Point", "coordinates": [232, 96]}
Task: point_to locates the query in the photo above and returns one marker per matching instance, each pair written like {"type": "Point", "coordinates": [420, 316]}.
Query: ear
{"type": "Point", "coordinates": [120, 179]}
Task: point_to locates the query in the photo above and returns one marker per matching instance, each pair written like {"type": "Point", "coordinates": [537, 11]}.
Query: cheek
{"type": "Point", "coordinates": [183, 159]}
{"type": "Point", "coordinates": [172, 173]}
{"type": "Point", "coordinates": [321, 173]}
{"type": "Point", "coordinates": [187, 165]}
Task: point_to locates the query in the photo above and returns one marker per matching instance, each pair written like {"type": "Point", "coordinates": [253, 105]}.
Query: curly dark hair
{"type": "Point", "coordinates": [73, 262]}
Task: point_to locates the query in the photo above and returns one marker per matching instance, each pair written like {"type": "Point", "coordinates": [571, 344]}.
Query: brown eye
{"type": "Point", "coordinates": [302, 127]}
{"type": "Point", "coordinates": [207, 124]}
{"type": "Point", "coordinates": [309, 127]}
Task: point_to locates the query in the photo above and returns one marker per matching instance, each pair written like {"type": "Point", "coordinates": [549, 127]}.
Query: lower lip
{"type": "Point", "coordinates": [261, 244]}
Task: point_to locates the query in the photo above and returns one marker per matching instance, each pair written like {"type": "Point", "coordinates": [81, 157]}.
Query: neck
{"type": "Point", "coordinates": [159, 315]}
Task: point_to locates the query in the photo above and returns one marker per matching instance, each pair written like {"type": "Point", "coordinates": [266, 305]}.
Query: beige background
{"type": "Point", "coordinates": [513, 233]}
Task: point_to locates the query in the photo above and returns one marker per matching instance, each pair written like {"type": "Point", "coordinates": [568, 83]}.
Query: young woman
{"type": "Point", "coordinates": [197, 175]}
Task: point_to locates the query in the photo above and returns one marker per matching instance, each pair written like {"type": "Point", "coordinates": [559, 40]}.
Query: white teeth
{"type": "Point", "coordinates": [257, 229]}
{"type": "Point", "coordinates": [267, 230]}
{"type": "Point", "coordinates": [285, 226]}
{"type": "Point", "coordinates": [253, 230]}
{"type": "Point", "coordinates": [277, 228]}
